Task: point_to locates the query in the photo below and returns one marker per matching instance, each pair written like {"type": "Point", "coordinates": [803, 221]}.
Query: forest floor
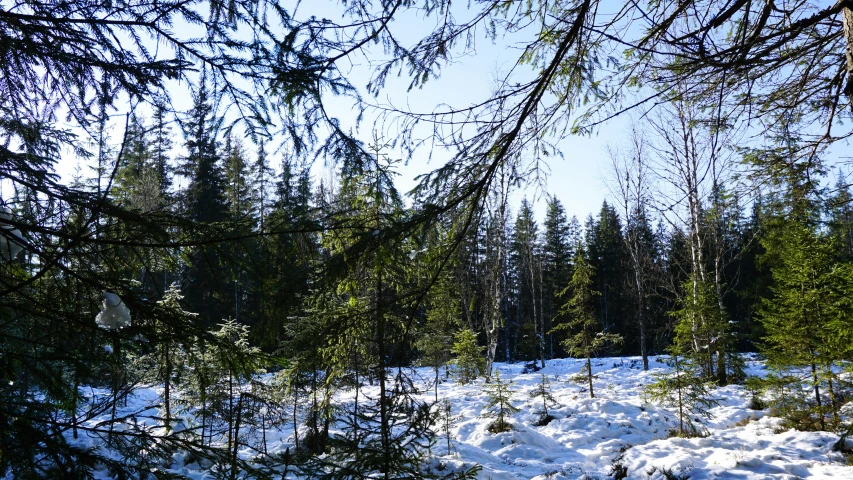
{"type": "Point", "coordinates": [590, 437]}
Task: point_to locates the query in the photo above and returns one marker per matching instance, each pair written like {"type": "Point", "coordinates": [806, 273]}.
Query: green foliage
{"type": "Point", "coordinates": [469, 362]}
{"type": "Point", "coordinates": [701, 332]}
{"type": "Point", "coordinates": [755, 387]}
{"type": "Point", "coordinates": [447, 422]}
{"type": "Point", "coordinates": [589, 338]}
{"type": "Point", "coordinates": [543, 392]}
{"type": "Point", "coordinates": [166, 361]}
{"type": "Point", "coordinates": [498, 406]}
{"type": "Point", "coordinates": [684, 389]}
{"type": "Point", "coordinates": [806, 318]}
{"type": "Point", "coordinates": [442, 319]}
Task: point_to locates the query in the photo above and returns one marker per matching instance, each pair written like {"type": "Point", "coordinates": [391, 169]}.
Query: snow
{"type": "Point", "coordinates": [114, 314]}
{"type": "Point", "coordinates": [588, 437]}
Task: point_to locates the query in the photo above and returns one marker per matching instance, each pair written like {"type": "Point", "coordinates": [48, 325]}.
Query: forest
{"type": "Point", "coordinates": [238, 288]}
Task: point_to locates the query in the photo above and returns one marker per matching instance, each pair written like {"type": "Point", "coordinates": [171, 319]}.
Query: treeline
{"type": "Point", "coordinates": [228, 265]}
{"type": "Point", "coordinates": [306, 256]}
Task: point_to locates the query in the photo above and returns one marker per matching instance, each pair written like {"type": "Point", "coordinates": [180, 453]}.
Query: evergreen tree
{"type": "Point", "coordinates": [447, 422]}
{"type": "Point", "coordinates": [469, 360]}
{"type": "Point", "coordinates": [161, 146]}
{"type": "Point", "coordinates": [543, 391]}
{"type": "Point", "coordinates": [289, 255]}
{"type": "Point", "coordinates": [442, 319]}
{"type": "Point", "coordinates": [499, 406]}
{"type": "Point", "coordinates": [166, 361]}
{"type": "Point", "coordinates": [137, 185]}
{"type": "Point", "coordinates": [841, 218]}
{"type": "Point", "coordinates": [239, 195]}
{"type": "Point", "coordinates": [684, 389]}
{"type": "Point", "coordinates": [556, 264]}
{"type": "Point", "coordinates": [809, 288]}
{"type": "Point", "coordinates": [387, 434]}
{"type": "Point", "coordinates": [798, 317]}
{"type": "Point", "coordinates": [605, 248]}
{"type": "Point", "coordinates": [590, 339]}
{"type": "Point", "coordinates": [205, 196]}
{"type": "Point", "coordinates": [525, 263]}
{"type": "Point", "coordinates": [262, 177]}
{"type": "Point", "coordinates": [700, 325]}
{"type": "Point", "coordinates": [207, 280]}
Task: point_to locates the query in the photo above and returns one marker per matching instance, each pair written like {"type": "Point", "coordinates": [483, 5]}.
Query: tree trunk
{"type": "Point", "coordinates": [589, 376]}
{"type": "Point", "coordinates": [817, 397]}
{"type": "Point", "coordinates": [847, 22]}
{"type": "Point", "coordinates": [167, 388]}
{"type": "Point", "coordinates": [384, 426]}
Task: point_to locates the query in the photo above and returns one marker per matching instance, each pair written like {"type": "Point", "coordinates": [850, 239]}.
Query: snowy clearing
{"type": "Point", "coordinates": [589, 436]}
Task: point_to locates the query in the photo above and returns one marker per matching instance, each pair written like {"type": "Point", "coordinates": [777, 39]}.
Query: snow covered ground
{"type": "Point", "coordinates": [589, 436]}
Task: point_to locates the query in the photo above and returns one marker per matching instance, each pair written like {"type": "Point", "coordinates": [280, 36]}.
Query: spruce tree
{"type": "Point", "coordinates": [469, 362]}
{"type": "Point", "coordinates": [543, 391]}
{"type": "Point", "coordinates": [526, 268]}
{"type": "Point", "coordinates": [809, 288]}
{"type": "Point", "coordinates": [684, 389]}
{"type": "Point", "coordinates": [499, 406]}
{"type": "Point", "coordinates": [585, 335]}
{"type": "Point", "coordinates": [442, 319]}
{"type": "Point", "coordinates": [605, 252]}
{"type": "Point", "coordinates": [556, 265]}
{"type": "Point", "coordinates": [207, 282]}
{"type": "Point", "coordinates": [447, 422]}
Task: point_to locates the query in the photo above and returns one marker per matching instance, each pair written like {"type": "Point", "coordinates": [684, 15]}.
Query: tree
{"type": "Point", "coordinates": [808, 283]}
{"type": "Point", "coordinates": [579, 309]}
{"type": "Point", "coordinates": [631, 173]}
{"type": "Point", "coordinates": [442, 319]}
{"type": "Point", "coordinates": [841, 218]}
{"type": "Point", "coordinates": [167, 358]}
{"type": "Point", "coordinates": [448, 422]}
{"type": "Point", "coordinates": [557, 252]}
{"type": "Point", "coordinates": [699, 324]}
{"type": "Point", "coordinates": [691, 159]}
{"type": "Point", "coordinates": [543, 391]}
{"type": "Point", "coordinates": [525, 263]}
{"type": "Point", "coordinates": [137, 180]}
{"type": "Point", "coordinates": [684, 389]}
{"type": "Point", "coordinates": [469, 360]}
{"type": "Point", "coordinates": [207, 284]}
{"type": "Point", "coordinates": [605, 248]}
{"type": "Point", "coordinates": [498, 406]}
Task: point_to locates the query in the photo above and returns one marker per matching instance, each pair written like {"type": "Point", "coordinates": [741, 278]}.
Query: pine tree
{"type": "Point", "coordinates": [207, 281]}
{"type": "Point", "coordinates": [469, 362]}
{"type": "Point", "coordinates": [556, 265]}
{"type": "Point", "coordinates": [543, 391]}
{"type": "Point", "coordinates": [605, 252]}
{"type": "Point", "coordinates": [525, 264]}
{"type": "Point", "coordinates": [591, 339]}
{"type": "Point", "coordinates": [498, 406]}
{"type": "Point", "coordinates": [684, 389]}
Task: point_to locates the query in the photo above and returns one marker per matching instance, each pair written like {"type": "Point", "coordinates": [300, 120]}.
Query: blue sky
{"type": "Point", "coordinates": [579, 179]}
